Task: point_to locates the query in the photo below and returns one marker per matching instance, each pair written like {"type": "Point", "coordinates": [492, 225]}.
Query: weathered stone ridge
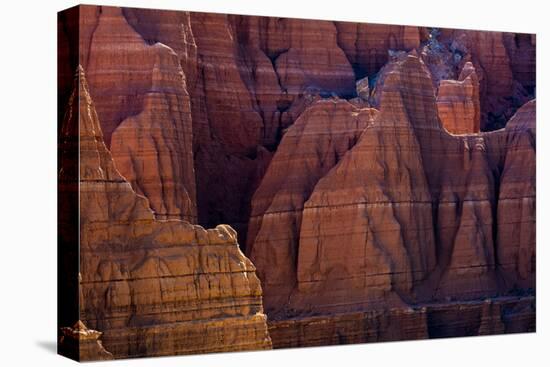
{"type": "Point", "coordinates": [504, 64]}
{"type": "Point", "coordinates": [381, 179]}
{"type": "Point", "coordinates": [155, 287]}
{"type": "Point", "coordinates": [143, 105]}
{"type": "Point", "coordinates": [408, 214]}
{"type": "Point", "coordinates": [458, 102]}
{"type": "Point", "coordinates": [309, 149]}
{"type": "Point", "coordinates": [485, 317]}
{"type": "Point", "coordinates": [249, 78]}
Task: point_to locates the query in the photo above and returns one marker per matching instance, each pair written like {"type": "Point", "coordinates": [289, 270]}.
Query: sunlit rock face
{"type": "Point", "coordinates": [379, 178]}
{"type": "Point", "coordinates": [407, 214]}
{"type": "Point", "coordinates": [152, 287]}
{"type": "Point", "coordinates": [458, 102]}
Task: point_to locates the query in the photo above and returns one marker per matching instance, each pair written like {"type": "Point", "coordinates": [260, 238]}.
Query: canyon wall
{"type": "Point", "coordinates": [409, 214]}
{"type": "Point", "coordinates": [504, 63]}
{"type": "Point", "coordinates": [243, 80]}
{"type": "Point", "coordinates": [143, 105]}
{"type": "Point", "coordinates": [380, 178]}
{"type": "Point", "coordinates": [152, 287]}
{"type": "Point", "coordinates": [458, 102]}
{"type": "Point", "coordinates": [309, 149]}
{"type": "Point", "coordinates": [453, 319]}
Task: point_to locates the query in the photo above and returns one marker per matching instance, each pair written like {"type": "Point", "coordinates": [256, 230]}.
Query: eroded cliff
{"type": "Point", "coordinates": [408, 214]}
{"type": "Point", "coordinates": [348, 157]}
{"type": "Point", "coordinates": [153, 287]}
{"type": "Point", "coordinates": [248, 79]}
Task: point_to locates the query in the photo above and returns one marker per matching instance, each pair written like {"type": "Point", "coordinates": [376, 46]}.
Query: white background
{"type": "Point", "coordinates": [28, 183]}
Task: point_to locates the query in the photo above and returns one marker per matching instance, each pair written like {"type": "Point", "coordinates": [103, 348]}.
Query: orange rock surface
{"type": "Point", "coordinates": [143, 105]}
{"type": "Point", "coordinates": [83, 344]}
{"type": "Point", "coordinates": [249, 79]}
{"type": "Point", "coordinates": [501, 63]}
{"type": "Point", "coordinates": [309, 149]}
{"type": "Point", "coordinates": [458, 102]}
{"type": "Point", "coordinates": [408, 213]}
{"type": "Point", "coordinates": [367, 45]}
{"type": "Point", "coordinates": [345, 159]}
{"type": "Point", "coordinates": [376, 205]}
{"type": "Point", "coordinates": [484, 317]}
{"type": "Point", "coordinates": [154, 287]}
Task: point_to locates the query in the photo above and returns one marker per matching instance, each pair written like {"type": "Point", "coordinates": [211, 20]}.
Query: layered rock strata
{"type": "Point", "coordinates": [248, 79]}
{"type": "Point", "coordinates": [458, 102]}
{"type": "Point", "coordinates": [155, 287]}
{"type": "Point", "coordinates": [309, 149]}
{"type": "Point", "coordinates": [409, 214]}
{"type": "Point", "coordinates": [143, 105]}
{"type": "Point", "coordinates": [359, 215]}
{"type": "Point", "coordinates": [485, 317]}
{"type": "Point", "coordinates": [367, 45]}
{"type": "Point", "coordinates": [500, 60]}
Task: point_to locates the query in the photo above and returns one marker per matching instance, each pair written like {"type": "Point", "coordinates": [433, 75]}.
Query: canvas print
{"type": "Point", "coordinates": [232, 182]}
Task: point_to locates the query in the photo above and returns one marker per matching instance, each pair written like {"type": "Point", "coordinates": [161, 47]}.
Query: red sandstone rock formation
{"type": "Point", "coordinates": [308, 56]}
{"type": "Point", "coordinates": [248, 79]}
{"type": "Point", "coordinates": [408, 214]}
{"type": "Point", "coordinates": [458, 102]}
{"type": "Point", "coordinates": [309, 149]}
{"type": "Point", "coordinates": [502, 65]}
{"type": "Point", "coordinates": [486, 317]}
{"type": "Point", "coordinates": [521, 50]}
{"type": "Point", "coordinates": [517, 200]}
{"type": "Point", "coordinates": [153, 151]}
{"type": "Point", "coordinates": [351, 328]}
{"type": "Point", "coordinates": [346, 208]}
{"type": "Point", "coordinates": [154, 287]}
{"type": "Point", "coordinates": [143, 105]}
{"type": "Point", "coordinates": [377, 204]}
{"type": "Point", "coordinates": [257, 75]}
{"type": "Point", "coordinates": [367, 45]}
{"type": "Point", "coordinates": [83, 344]}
